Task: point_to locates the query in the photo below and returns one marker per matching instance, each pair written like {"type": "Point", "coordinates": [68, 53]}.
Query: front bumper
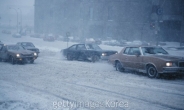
{"type": "Point", "coordinates": [173, 70]}
{"type": "Point", "coordinates": [23, 59]}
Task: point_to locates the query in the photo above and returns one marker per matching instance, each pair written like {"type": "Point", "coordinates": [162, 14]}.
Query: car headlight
{"type": "Point", "coordinates": [169, 64]}
{"type": "Point", "coordinates": [18, 55]}
{"type": "Point", "coordinates": [35, 54]}
{"type": "Point", "coordinates": [103, 54]}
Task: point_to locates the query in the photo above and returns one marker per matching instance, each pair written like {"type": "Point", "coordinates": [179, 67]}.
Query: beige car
{"type": "Point", "coordinates": [148, 59]}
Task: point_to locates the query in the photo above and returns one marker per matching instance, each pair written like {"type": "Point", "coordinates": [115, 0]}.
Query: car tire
{"type": "Point", "coordinates": [95, 58]}
{"type": "Point", "coordinates": [32, 61]}
{"type": "Point", "coordinates": [69, 57]}
{"type": "Point", "coordinates": [119, 67]}
{"type": "Point", "coordinates": [152, 72]}
{"type": "Point", "coordinates": [12, 60]}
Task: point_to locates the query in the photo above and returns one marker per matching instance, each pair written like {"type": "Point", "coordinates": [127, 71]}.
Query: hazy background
{"type": "Point", "coordinates": [10, 8]}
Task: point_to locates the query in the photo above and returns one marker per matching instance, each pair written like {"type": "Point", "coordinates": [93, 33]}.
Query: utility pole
{"type": "Point", "coordinates": [20, 18]}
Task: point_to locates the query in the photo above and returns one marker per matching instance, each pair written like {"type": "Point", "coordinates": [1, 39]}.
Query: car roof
{"type": "Point", "coordinates": [83, 43]}
{"type": "Point", "coordinates": [141, 46]}
{"type": "Point", "coordinates": [24, 42]}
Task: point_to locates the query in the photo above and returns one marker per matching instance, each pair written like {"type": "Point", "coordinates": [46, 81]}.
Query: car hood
{"type": "Point", "coordinates": [169, 57]}
{"type": "Point", "coordinates": [30, 48]}
{"type": "Point", "coordinates": [24, 52]}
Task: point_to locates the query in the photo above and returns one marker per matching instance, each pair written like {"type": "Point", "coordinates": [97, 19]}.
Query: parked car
{"type": "Point", "coordinates": [90, 52]}
{"type": "Point", "coordinates": [29, 46]}
{"type": "Point", "coordinates": [6, 32]}
{"type": "Point", "coordinates": [16, 35]}
{"type": "Point", "coordinates": [152, 60]}
{"type": "Point", "coordinates": [49, 37]}
{"type": "Point", "coordinates": [15, 54]}
{"type": "Point", "coordinates": [35, 35]}
{"type": "Point", "coordinates": [112, 43]}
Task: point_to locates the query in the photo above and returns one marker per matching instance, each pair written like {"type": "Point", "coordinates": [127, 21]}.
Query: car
{"type": "Point", "coordinates": [35, 35]}
{"type": "Point", "coordinates": [16, 35]}
{"type": "Point", "coordinates": [6, 31]}
{"type": "Point", "coordinates": [49, 37]}
{"type": "Point", "coordinates": [15, 54]}
{"type": "Point", "coordinates": [152, 60]}
{"type": "Point", "coordinates": [88, 52]}
{"type": "Point", "coordinates": [29, 46]}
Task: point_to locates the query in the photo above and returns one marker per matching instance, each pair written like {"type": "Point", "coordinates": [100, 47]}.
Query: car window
{"type": "Point", "coordinates": [81, 47]}
{"type": "Point", "coordinates": [126, 50]}
{"type": "Point", "coordinates": [27, 44]}
{"type": "Point", "coordinates": [133, 51]}
{"type": "Point", "coordinates": [153, 50]}
{"type": "Point", "coordinates": [72, 47]}
{"type": "Point", "coordinates": [1, 46]}
{"type": "Point", "coordinates": [14, 47]}
{"type": "Point", "coordinates": [93, 47]}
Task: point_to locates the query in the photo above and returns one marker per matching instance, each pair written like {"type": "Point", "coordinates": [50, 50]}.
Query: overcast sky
{"type": "Point", "coordinates": [17, 2]}
{"type": "Point", "coordinates": [25, 9]}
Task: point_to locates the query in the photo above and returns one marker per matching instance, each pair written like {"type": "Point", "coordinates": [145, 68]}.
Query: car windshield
{"type": "Point", "coordinates": [14, 47]}
{"type": "Point", "coordinates": [93, 47]}
{"type": "Point", "coordinates": [153, 50]}
{"type": "Point", "coordinates": [27, 45]}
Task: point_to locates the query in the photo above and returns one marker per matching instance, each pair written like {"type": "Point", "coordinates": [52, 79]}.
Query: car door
{"type": "Point", "coordinates": [4, 53]}
{"type": "Point", "coordinates": [71, 50]}
{"type": "Point", "coordinates": [134, 58]}
{"type": "Point", "coordinates": [124, 58]}
{"type": "Point", "coordinates": [80, 50]}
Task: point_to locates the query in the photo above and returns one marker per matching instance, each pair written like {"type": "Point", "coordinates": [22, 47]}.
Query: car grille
{"type": "Point", "coordinates": [27, 55]}
{"type": "Point", "coordinates": [181, 64]}
{"type": "Point", "coordinates": [32, 49]}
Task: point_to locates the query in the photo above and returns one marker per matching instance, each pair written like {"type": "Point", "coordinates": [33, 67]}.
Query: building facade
{"type": "Point", "coordinates": [118, 19]}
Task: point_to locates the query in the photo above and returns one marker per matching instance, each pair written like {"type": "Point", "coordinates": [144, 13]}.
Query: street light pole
{"type": "Point", "coordinates": [20, 18]}
{"type": "Point", "coordinates": [17, 17]}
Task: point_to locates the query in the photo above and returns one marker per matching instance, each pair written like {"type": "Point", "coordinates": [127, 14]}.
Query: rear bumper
{"type": "Point", "coordinates": [173, 70]}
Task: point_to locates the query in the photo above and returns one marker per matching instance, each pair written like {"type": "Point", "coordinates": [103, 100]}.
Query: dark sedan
{"type": "Point", "coordinates": [88, 52]}
{"type": "Point", "coordinates": [15, 54]}
{"type": "Point", "coordinates": [29, 46]}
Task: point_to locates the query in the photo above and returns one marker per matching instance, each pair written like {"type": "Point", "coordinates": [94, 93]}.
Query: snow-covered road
{"type": "Point", "coordinates": [52, 83]}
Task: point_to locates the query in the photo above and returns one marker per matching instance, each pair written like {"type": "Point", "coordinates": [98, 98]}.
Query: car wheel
{"type": "Point", "coordinates": [32, 61]}
{"type": "Point", "coordinates": [119, 67]}
{"type": "Point", "coordinates": [95, 58]}
{"type": "Point", "coordinates": [12, 60]}
{"type": "Point", "coordinates": [152, 72]}
{"type": "Point", "coordinates": [69, 57]}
